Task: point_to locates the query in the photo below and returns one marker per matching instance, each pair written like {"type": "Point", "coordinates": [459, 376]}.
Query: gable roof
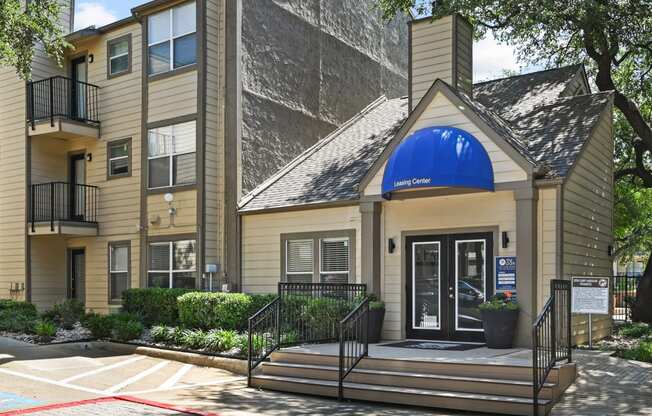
{"type": "Point", "coordinates": [544, 129]}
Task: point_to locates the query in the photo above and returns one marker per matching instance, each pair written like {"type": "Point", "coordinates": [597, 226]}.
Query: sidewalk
{"type": "Point", "coordinates": [607, 386]}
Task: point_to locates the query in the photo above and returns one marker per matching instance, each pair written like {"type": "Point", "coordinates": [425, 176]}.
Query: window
{"type": "Point", "coordinates": [172, 155]}
{"type": "Point", "coordinates": [172, 264]}
{"type": "Point", "coordinates": [119, 275]}
{"type": "Point", "coordinates": [119, 158]}
{"type": "Point", "coordinates": [322, 257]}
{"type": "Point", "coordinates": [172, 41]}
{"type": "Point", "coordinates": [298, 258]}
{"type": "Point", "coordinates": [118, 56]}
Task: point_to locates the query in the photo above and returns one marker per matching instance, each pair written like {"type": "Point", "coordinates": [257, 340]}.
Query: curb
{"type": "Point", "coordinates": [230, 364]}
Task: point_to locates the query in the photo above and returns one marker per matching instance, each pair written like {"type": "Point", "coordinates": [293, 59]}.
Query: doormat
{"type": "Point", "coordinates": [434, 345]}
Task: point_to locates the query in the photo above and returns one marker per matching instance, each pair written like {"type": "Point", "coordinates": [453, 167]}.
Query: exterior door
{"type": "Point", "coordinates": [77, 188]}
{"type": "Point", "coordinates": [77, 274]}
{"type": "Point", "coordinates": [448, 277]}
{"type": "Point", "coordinates": [78, 88]}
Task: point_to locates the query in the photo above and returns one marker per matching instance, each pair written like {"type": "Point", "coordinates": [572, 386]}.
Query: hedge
{"type": "Point", "coordinates": [153, 305]}
{"type": "Point", "coordinates": [231, 311]}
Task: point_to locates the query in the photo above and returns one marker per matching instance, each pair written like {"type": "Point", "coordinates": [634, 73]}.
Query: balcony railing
{"type": "Point", "coordinates": [54, 202]}
{"type": "Point", "coordinates": [62, 97]}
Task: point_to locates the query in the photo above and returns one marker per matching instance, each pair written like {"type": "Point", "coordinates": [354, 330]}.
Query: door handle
{"type": "Point", "coordinates": [451, 294]}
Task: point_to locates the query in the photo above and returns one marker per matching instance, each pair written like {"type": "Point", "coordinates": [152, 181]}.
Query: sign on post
{"type": "Point", "coordinates": [505, 274]}
{"type": "Point", "coordinates": [590, 295]}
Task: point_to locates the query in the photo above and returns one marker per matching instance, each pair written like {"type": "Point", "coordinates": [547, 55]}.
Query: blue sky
{"type": "Point", "coordinates": [489, 57]}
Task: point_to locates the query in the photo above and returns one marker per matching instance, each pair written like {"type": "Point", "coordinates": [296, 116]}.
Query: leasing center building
{"type": "Point", "coordinates": [439, 199]}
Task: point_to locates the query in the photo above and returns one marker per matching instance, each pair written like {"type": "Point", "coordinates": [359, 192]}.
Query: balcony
{"type": "Point", "coordinates": [60, 208]}
{"type": "Point", "coordinates": [63, 108]}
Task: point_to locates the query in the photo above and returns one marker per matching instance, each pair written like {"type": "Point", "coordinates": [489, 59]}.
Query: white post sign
{"type": "Point", "coordinates": [590, 295]}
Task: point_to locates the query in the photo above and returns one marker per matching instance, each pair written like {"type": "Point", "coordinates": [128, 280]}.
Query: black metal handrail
{"type": "Point", "coordinates": [263, 335]}
{"type": "Point", "coordinates": [551, 335]}
{"type": "Point", "coordinates": [302, 313]}
{"type": "Point", "coordinates": [62, 201]}
{"type": "Point", "coordinates": [60, 96]}
{"type": "Point", "coordinates": [354, 341]}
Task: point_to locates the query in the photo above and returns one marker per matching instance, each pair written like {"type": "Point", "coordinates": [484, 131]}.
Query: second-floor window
{"type": "Point", "coordinates": [171, 153]}
{"type": "Point", "coordinates": [119, 59]}
{"type": "Point", "coordinates": [119, 158]}
{"type": "Point", "coordinates": [171, 39]}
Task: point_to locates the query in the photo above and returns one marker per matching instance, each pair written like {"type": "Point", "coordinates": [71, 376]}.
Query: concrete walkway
{"type": "Point", "coordinates": [607, 386]}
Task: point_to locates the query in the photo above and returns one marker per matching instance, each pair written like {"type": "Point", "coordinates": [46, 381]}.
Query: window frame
{"type": "Point", "coordinates": [171, 185]}
{"type": "Point", "coordinates": [170, 241]}
{"type": "Point", "coordinates": [117, 244]}
{"type": "Point", "coordinates": [118, 142]}
{"type": "Point", "coordinates": [109, 43]}
{"type": "Point", "coordinates": [171, 38]}
{"type": "Point", "coordinates": [317, 238]}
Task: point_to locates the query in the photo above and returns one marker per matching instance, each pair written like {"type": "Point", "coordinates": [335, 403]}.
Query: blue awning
{"type": "Point", "coordinates": [438, 156]}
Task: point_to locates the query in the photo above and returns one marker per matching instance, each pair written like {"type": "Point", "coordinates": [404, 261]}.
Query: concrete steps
{"type": "Point", "coordinates": [477, 387]}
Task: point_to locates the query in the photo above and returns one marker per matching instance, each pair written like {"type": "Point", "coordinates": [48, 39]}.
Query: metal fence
{"type": "Point", "coordinates": [624, 294]}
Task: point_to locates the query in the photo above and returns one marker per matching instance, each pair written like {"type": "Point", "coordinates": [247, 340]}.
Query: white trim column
{"type": "Point", "coordinates": [370, 245]}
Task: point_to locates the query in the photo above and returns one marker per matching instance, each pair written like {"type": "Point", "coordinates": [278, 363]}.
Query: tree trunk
{"type": "Point", "coordinates": [642, 307]}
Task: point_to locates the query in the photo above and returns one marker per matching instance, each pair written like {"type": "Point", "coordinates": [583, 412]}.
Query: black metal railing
{"type": "Point", "coordinates": [551, 334]}
{"type": "Point", "coordinates": [263, 335]}
{"type": "Point", "coordinates": [354, 341]}
{"type": "Point", "coordinates": [624, 294]}
{"type": "Point", "coordinates": [302, 313]}
{"type": "Point", "coordinates": [62, 97]}
{"type": "Point", "coordinates": [62, 201]}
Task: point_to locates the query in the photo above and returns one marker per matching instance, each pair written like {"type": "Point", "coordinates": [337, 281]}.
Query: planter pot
{"type": "Point", "coordinates": [499, 328]}
{"type": "Point", "coordinates": [376, 317]}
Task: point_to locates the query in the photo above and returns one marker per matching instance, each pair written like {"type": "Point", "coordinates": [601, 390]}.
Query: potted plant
{"type": "Point", "coordinates": [376, 317]}
{"type": "Point", "coordinates": [499, 316]}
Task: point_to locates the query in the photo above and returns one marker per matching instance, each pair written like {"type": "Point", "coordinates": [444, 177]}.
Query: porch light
{"type": "Point", "coordinates": [391, 245]}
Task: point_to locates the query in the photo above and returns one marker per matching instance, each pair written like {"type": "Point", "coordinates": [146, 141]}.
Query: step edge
{"type": "Point", "coordinates": [407, 374]}
{"type": "Point", "coordinates": [439, 393]}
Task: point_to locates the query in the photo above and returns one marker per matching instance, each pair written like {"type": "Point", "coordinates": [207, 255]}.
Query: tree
{"type": "Point", "coordinates": [23, 28]}
{"type": "Point", "coordinates": [613, 38]}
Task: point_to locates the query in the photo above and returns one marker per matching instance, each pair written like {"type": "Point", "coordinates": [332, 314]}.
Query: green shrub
{"type": "Point", "coordinates": [634, 330]}
{"type": "Point", "coordinates": [160, 333]}
{"type": "Point", "coordinates": [218, 340]}
{"type": "Point", "coordinates": [99, 325]}
{"type": "Point", "coordinates": [205, 310]}
{"type": "Point", "coordinates": [126, 329]}
{"type": "Point", "coordinates": [642, 352]}
{"type": "Point", "coordinates": [153, 305]}
{"type": "Point", "coordinates": [17, 316]}
{"type": "Point", "coordinates": [45, 330]}
{"type": "Point", "coordinates": [176, 336]}
{"type": "Point", "coordinates": [194, 339]}
{"type": "Point", "coordinates": [67, 313]}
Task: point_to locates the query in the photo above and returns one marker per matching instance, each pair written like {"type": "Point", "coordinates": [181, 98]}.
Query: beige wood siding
{"type": "Point", "coordinates": [588, 216]}
{"type": "Point", "coordinates": [185, 220]}
{"type": "Point", "coordinates": [547, 234]}
{"type": "Point", "coordinates": [13, 167]}
{"type": "Point", "coordinates": [214, 144]}
{"type": "Point", "coordinates": [431, 55]}
{"type": "Point", "coordinates": [464, 55]}
{"type": "Point", "coordinates": [416, 215]}
{"type": "Point", "coordinates": [261, 241]}
{"type": "Point", "coordinates": [441, 112]}
{"type": "Point", "coordinates": [48, 271]}
{"type": "Point", "coordinates": [172, 97]}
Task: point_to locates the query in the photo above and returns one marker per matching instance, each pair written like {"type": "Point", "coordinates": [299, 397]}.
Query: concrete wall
{"type": "Point", "coordinates": [306, 68]}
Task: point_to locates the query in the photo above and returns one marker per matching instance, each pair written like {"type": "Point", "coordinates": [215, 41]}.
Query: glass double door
{"type": "Point", "coordinates": [448, 277]}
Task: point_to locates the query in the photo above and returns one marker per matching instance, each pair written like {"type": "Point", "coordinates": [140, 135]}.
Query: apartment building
{"type": "Point", "coordinates": [124, 167]}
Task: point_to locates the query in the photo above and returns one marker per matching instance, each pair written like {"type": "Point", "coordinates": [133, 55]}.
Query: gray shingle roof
{"type": "Point", "coordinates": [527, 110]}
